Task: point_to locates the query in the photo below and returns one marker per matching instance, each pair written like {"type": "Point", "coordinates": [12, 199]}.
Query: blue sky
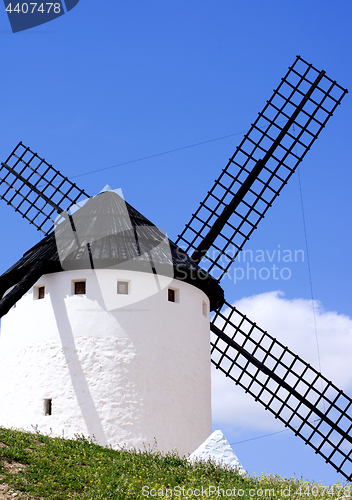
{"type": "Point", "coordinates": [113, 82]}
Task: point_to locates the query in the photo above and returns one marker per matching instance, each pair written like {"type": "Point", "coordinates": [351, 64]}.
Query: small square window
{"type": "Point", "coordinates": [39, 292]}
{"type": "Point", "coordinates": [122, 287]}
{"type": "Point", "coordinates": [48, 406]}
{"type": "Point", "coordinates": [80, 287]}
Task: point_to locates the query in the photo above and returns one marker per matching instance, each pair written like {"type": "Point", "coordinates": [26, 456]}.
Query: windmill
{"type": "Point", "coordinates": [297, 394]}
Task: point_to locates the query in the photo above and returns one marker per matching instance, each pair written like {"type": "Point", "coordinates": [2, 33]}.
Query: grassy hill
{"type": "Point", "coordinates": [34, 466]}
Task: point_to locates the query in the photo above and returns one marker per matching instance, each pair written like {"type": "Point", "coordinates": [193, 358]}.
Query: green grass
{"type": "Point", "coordinates": [60, 469]}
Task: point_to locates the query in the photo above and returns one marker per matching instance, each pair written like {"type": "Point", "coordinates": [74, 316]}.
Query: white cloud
{"type": "Point", "coordinates": [292, 323]}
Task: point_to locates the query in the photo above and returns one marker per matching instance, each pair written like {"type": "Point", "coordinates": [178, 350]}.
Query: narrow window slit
{"type": "Point", "coordinates": [205, 309]}
{"type": "Point", "coordinates": [48, 406]}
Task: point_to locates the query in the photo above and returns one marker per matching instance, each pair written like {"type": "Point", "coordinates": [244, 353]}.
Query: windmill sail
{"type": "Point", "coordinates": [262, 164]}
{"type": "Point", "coordinates": [297, 394]}
{"type": "Point", "coordinates": [35, 189]}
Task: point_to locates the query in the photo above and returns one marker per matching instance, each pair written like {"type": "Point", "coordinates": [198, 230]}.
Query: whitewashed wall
{"type": "Point", "coordinates": [129, 370]}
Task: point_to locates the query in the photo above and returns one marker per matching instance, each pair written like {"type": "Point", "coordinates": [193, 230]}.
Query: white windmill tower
{"type": "Point", "coordinates": [112, 340]}
{"type": "Point", "coordinates": [110, 328]}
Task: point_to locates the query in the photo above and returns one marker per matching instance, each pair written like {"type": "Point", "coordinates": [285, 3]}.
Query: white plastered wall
{"type": "Point", "coordinates": [131, 369]}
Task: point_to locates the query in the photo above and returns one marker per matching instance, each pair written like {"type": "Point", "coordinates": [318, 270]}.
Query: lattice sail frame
{"type": "Point", "coordinates": [264, 136]}
{"type": "Point", "coordinates": [297, 394]}
{"type": "Point", "coordinates": [35, 189]}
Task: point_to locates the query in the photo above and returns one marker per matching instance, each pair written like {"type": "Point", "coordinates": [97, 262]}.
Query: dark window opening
{"type": "Point", "coordinates": [122, 287]}
{"type": "Point", "coordinates": [171, 295]}
{"type": "Point", "coordinates": [41, 292]}
{"type": "Point", "coordinates": [80, 287]}
{"type": "Point", "coordinates": [48, 406]}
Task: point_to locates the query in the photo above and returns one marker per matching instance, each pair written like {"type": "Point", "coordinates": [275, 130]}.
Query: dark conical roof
{"type": "Point", "coordinates": [110, 233]}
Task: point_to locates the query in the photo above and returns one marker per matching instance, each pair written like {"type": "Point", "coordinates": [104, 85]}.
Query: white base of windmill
{"type": "Point", "coordinates": [217, 449]}
{"type": "Point", "coordinates": [132, 370]}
